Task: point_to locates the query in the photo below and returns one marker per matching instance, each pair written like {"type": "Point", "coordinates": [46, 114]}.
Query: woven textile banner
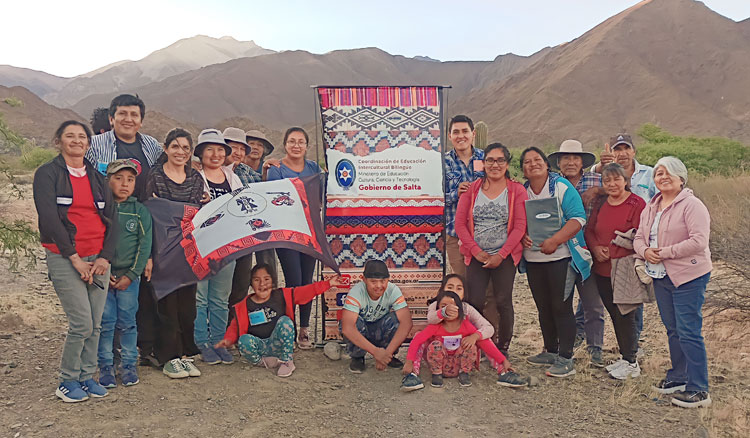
{"type": "Point", "coordinates": [385, 188]}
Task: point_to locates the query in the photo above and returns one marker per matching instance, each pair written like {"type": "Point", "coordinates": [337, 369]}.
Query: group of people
{"type": "Point", "coordinates": [621, 233]}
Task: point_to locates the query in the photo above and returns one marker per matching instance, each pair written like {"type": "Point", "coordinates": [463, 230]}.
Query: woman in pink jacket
{"type": "Point", "coordinates": [490, 222]}
{"type": "Point", "coordinates": [673, 239]}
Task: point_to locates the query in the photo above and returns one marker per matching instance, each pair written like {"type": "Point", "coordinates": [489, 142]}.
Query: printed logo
{"type": "Point", "coordinates": [246, 204]}
{"type": "Point", "coordinates": [345, 174]}
{"type": "Point", "coordinates": [212, 220]}
{"type": "Point", "coordinates": [543, 216]}
{"type": "Point", "coordinates": [257, 224]}
{"type": "Point", "coordinates": [282, 198]}
{"type": "Point", "coordinates": [131, 225]}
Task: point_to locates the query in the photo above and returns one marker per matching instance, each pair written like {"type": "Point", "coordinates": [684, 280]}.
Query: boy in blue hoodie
{"type": "Point", "coordinates": [131, 253]}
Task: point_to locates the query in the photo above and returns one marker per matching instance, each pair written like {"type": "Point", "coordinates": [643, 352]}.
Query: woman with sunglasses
{"type": "Point", "coordinates": [490, 223]}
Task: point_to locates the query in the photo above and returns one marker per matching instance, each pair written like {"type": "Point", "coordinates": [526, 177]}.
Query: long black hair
{"type": "Point", "coordinates": [442, 286]}
{"type": "Point", "coordinates": [454, 296]}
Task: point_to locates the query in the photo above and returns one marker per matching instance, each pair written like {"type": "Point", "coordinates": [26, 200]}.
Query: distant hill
{"type": "Point", "coordinates": [39, 82]}
{"type": "Point", "coordinates": [34, 118]}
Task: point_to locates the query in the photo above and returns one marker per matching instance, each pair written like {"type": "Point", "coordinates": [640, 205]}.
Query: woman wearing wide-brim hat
{"type": "Point", "coordinates": [260, 147]}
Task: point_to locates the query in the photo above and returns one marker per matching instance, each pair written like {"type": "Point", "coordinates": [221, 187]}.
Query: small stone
{"type": "Point", "coordinates": [533, 381]}
{"type": "Point", "coordinates": [243, 418]}
{"type": "Point", "coordinates": [16, 426]}
{"type": "Point", "coordinates": [12, 365]}
{"type": "Point", "coordinates": [5, 336]}
{"type": "Point", "coordinates": [48, 424]}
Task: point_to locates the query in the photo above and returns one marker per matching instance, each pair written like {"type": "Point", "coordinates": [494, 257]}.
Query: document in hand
{"type": "Point", "coordinates": [543, 219]}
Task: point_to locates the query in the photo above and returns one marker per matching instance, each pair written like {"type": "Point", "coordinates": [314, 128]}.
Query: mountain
{"type": "Point", "coordinates": [30, 116]}
{"type": "Point", "coordinates": [39, 82]}
{"type": "Point", "coordinates": [184, 55]}
{"type": "Point", "coordinates": [671, 62]}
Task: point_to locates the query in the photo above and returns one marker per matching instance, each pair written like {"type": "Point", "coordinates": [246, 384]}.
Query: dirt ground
{"type": "Point", "coordinates": [324, 399]}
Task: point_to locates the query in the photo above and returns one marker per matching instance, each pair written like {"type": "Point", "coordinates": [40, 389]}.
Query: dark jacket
{"type": "Point", "coordinates": [134, 241]}
{"type": "Point", "coordinates": [53, 193]}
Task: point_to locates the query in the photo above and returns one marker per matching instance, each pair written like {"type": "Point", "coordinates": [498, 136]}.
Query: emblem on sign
{"type": "Point", "coordinates": [246, 204]}
{"type": "Point", "coordinates": [257, 224]}
{"type": "Point", "coordinates": [345, 174]}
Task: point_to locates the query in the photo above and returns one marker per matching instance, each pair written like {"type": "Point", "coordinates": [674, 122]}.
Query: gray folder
{"type": "Point", "coordinates": [543, 219]}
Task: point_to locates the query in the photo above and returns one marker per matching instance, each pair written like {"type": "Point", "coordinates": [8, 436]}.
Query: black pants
{"type": "Point", "coordinates": [176, 313]}
{"type": "Point", "coordinates": [147, 318]}
{"type": "Point", "coordinates": [502, 277]}
{"type": "Point", "coordinates": [556, 319]}
{"type": "Point", "coordinates": [625, 325]}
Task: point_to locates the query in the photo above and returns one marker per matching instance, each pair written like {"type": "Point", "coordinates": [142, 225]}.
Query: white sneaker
{"type": "Point", "coordinates": [613, 366]}
{"type": "Point", "coordinates": [624, 372]}
{"type": "Point", "coordinates": [192, 370]}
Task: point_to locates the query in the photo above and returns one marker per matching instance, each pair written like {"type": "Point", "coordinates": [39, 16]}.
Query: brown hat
{"type": "Point", "coordinates": [236, 135]}
{"type": "Point", "coordinates": [254, 134]}
{"type": "Point", "coordinates": [123, 163]}
{"type": "Point", "coordinates": [621, 139]}
{"type": "Point", "coordinates": [572, 147]}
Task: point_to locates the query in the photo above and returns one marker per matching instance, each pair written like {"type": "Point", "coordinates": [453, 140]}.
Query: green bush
{"type": "Point", "coordinates": [37, 156]}
{"type": "Point", "coordinates": [13, 101]}
{"type": "Point", "coordinates": [703, 155]}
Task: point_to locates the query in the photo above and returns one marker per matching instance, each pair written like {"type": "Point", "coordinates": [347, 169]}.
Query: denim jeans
{"type": "Point", "coordinates": [680, 309]}
{"type": "Point", "coordinates": [379, 333]}
{"type": "Point", "coordinates": [298, 271]}
{"type": "Point", "coordinates": [119, 312]}
{"type": "Point", "coordinates": [590, 313]}
{"type": "Point", "coordinates": [83, 304]}
{"type": "Point", "coordinates": [211, 301]}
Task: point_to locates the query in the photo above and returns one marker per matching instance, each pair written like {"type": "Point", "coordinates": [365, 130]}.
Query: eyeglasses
{"type": "Point", "coordinates": [300, 143]}
{"type": "Point", "coordinates": [493, 161]}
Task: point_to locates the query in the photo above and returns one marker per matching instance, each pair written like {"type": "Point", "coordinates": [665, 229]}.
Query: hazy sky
{"type": "Point", "coordinates": [67, 38]}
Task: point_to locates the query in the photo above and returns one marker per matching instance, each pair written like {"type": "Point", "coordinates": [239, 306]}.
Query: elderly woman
{"type": "Point", "coordinates": [77, 223]}
{"type": "Point", "coordinates": [557, 262]}
{"type": "Point", "coordinates": [620, 211]}
{"type": "Point", "coordinates": [673, 239]}
{"type": "Point", "coordinates": [298, 268]}
{"type": "Point", "coordinates": [212, 297]}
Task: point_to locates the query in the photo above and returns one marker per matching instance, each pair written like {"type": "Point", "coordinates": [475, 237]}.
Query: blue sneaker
{"type": "Point", "coordinates": [224, 354]}
{"type": "Point", "coordinates": [129, 375]}
{"type": "Point", "coordinates": [70, 392]}
{"type": "Point", "coordinates": [208, 355]}
{"type": "Point", "coordinates": [93, 389]}
{"type": "Point", "coordinates": [107, 376]}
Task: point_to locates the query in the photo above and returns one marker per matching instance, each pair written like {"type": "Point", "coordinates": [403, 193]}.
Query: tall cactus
{"type": "Point", "coordinates": [480, 139]}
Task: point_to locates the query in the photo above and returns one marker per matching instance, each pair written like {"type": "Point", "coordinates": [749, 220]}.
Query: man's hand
{"type": "Point", "coordinates": [548, 246]}
{"type": "Point", "coordinates": [653, 256]}
{"type": "Point", "coordinates": [463, 187]}
{"type": "Point", "coordinates": [148, 269]}
{"type": "Point", "coordinates": [526, 241]}
{"type": "Point", "coordinates": [408, 367]}
{"type": "Point", "coordinates": [601, 253]}
{"type": "Point", "coordinates": [469, 341]}
{"type": "Point", "coordinates": [382, 358]}
{"type": "Point", "coordinates": [592, 193]}
{"type": "Point", "coordinates": [196, 165]}
{"type": "Point", "coordinates": [605, 158]}
{"type": "Point", "coordinates": [122, 283]}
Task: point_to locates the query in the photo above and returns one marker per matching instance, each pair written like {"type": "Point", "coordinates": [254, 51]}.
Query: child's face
{"type": "Point", "coordinates": [122, 184]}
{"type": "Point", "coordinates": [445, 302]}
{"type": "Point", "coordinates": [455, 285]}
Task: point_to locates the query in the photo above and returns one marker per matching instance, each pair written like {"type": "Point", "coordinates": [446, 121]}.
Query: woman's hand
{"type": "Point", "coordinates": [652, 255]}
{"type": "Point", "coordinates": [526, 241]}
{"type": "Point", "coordinates": [83, 268]}
{"type": "Point", "coordinates": [223, 344]}
{"type": "Point", "coordinates": [482, 257]}
{"type": "Point", "coordinates": [601, 253]}
{"type": "Point", "coordinates": [275, 162]}
{"type": "Point", "coordinates": [450, 311]}
{"type": "Point", "coordinates": [505, 366]}
{"type": "Point", "coordinates": [408, 367]}
{"type": "Point", "coordinates": [493, 262]}
{"type": "Point", "coordinates": [548, 246]}
{"type": "Point", "coordinates": [100, 266]}
{"type": "Point", "coordinates": [148, 269]}
{"type": "Point", "coordinates": [337, 281]}
{"type": "Point", "coordinates": [205, 198]}
{"type": "Point", "coordinates": [470, 340]}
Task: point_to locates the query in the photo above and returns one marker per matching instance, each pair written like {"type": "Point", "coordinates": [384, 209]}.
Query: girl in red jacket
{"type": "Point", "coordinates": [263, 326]}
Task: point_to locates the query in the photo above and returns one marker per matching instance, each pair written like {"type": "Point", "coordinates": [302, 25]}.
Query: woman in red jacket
{"type": "Point", "coordinates": [263, 326]}
{"type": "Point", "coordinates": [490, 222]}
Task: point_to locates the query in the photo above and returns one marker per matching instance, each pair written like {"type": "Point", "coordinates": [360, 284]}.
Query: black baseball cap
{"type": "Point", "coordinates": [376, 269]}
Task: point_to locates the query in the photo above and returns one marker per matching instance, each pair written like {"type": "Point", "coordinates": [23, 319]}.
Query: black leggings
{"type": "Point", "coordinates": [502, 277]}
{"type": "Point", "coordinates": [176, 325]}
{"type": "Point", "coordinates": [625, 327]}
{"type": "Point", "coordinates": [556, 318]}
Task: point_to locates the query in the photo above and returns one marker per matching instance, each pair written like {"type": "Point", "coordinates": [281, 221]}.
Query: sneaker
{"type": "Point", "coordinates": [174, 369]}
{"type": "Point", "coordinates": [629, 370]}
{"type": "Point", "coordinates": [617, 364]}
{"type": "Point", "coordinates": [437, 381]}
{"type": "Point", "coordinates": [579, 340]}
{"type": "Point", "coordinates": [150, 360]}
{"type": "Point", "coordinates": [270, 362]}
{"type": "Point", "coordinates": [107, 376]}
{"type": "Point", "coordinates": [395, 363]}
{"type": "Point", "coordinates": [544, 358]}
{"type": "Point", "coordinates": [464, 380]}
{"type": "Point", "coordinates": [129, 375]}
{"type": "Point", "coordinates": [71, 392]}
{"type": "Point", "coordinates": [691, 399]}
{"type": "Point", "coordinates": [596, 357]}
{"type": "Point", "coordinates": [189, 366]}
{"type": "Point", "coordinates": [411, 382]}
{"type": "Point", "coordinates": [668, 387]}
{"type": "Point", "coordinates": [225, 356]}
{"type": "Point", "coordinates": [209, 355]}
{"type": "Point", "coordinates": [561, 368]}
{"type": "Point", "coordinates": [303, 340]}
{"type": "Point", "coordinates": [511, 380]}
{"type": "Point", "coordinates": [357, 365]}
{"type": "Point", "coordinates": [286, 368]}
{"type": "Point", "coordinates": [93, 388]}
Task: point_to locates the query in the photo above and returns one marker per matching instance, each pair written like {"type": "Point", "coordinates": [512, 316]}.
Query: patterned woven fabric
{"type": "Point", "coordinates": [383, 224]}
{"type": "Point", "coordinates": [341, 202]}
{"type": "Point", "coordinates": [396, 250]}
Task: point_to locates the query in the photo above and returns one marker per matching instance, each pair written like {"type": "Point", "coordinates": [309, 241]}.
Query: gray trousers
{"type": "Point", "coordinates": [83, 304]}
{"type": "Point", "coordinates": [593, 311]}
